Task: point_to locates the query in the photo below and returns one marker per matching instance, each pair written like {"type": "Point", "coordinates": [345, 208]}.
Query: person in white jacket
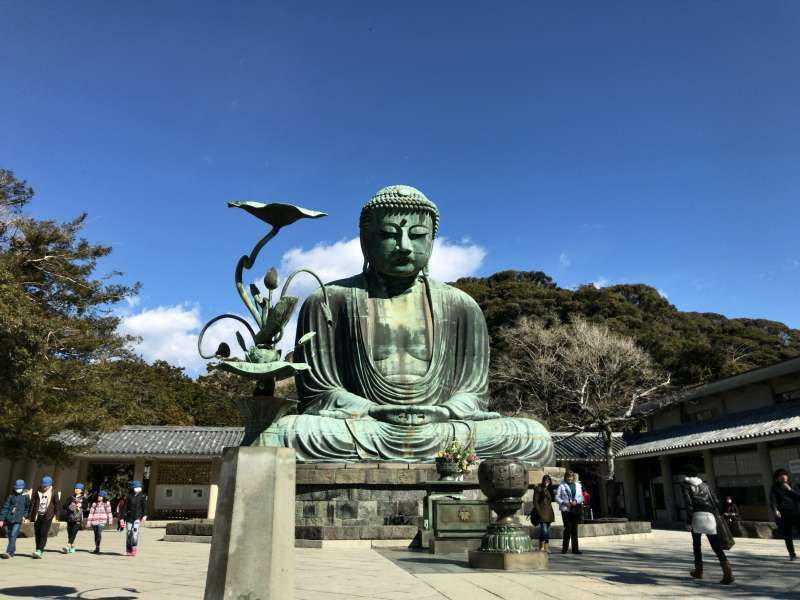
{"type": "Point", "coordinates": [569, 496]}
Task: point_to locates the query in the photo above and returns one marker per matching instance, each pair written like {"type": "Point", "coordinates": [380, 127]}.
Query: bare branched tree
{"type": "Point", "coordinates": [575, 377]}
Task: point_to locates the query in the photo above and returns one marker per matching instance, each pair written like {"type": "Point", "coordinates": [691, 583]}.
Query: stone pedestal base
{"type": "Point", "coordinates": [252, 549]}
{"type": "Point", "coordinates": [451, 545]}
{"type": "Point", "coordinates": [509, 561]}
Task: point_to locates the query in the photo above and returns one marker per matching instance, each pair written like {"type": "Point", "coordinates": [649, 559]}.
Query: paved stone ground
{"type": "Point", "coordinates": [655, 568]}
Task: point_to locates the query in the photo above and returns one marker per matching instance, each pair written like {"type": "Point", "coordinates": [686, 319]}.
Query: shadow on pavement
{"type": "Point", "coordinates": [433, 561]}
{"type": "Point", "coordinates": [58, 592]}
{"type": "Point", "coordinates": [756, 575]}
{"type": "Point", "coordinates": [39, 591]}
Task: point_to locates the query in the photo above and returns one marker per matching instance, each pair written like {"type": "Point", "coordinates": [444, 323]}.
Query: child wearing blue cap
{"type": "Point", "coordinates": [134, 514]}
{"type": "Point", "coordinates": [73, 513]}
{"type": "Point", "coordinates": [100, 516]}
{"type": "Point", "coordinates": [14, 512]}
{"type": "Point", "coordinates": [44, 507]}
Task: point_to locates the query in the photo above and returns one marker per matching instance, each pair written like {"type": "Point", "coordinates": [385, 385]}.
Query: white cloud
{"type": "Point", "coordinates": [564, 261]}
{"type": "Point", "coordinates": [600, 282]}
{"type": "Point", "coordinates": [449, 261]}
{"type": "Point", "coordinates": [170, 333]}
{"type": "Point", "coordinates": [662, 293]}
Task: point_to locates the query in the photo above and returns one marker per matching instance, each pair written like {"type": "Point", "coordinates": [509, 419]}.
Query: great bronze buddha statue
{"type": "Point", "coordinates": [402, 370]}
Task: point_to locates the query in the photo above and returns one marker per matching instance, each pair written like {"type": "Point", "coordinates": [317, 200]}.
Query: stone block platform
{"type": "Point", "coordinates": [508, 561]}
{"type": "Point", "coordinates": [383, 501]}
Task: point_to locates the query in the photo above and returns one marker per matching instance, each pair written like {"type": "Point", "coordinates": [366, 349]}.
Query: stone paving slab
{"type": "Point", "coordinates": [653, 568]}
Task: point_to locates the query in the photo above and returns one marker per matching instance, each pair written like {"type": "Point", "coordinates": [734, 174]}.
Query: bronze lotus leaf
{"type": "Point", "coordinates": [276, 214]}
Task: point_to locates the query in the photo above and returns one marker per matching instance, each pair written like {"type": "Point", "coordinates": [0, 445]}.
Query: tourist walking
{"type": "Point", "coordinates": [542, 513]}
{"type": "Point", "coordinates": [702, 510]}
{"type": "Point", "coordinates": [134, 516]}
{"type": "Point", "coordinates": [732, 515]}
{"type": "Point", "coordinates": [13, 514]}
{"type": "Point", "coordinates": [120, 509]}
{"type": "Point", "coordinates": [44, 508]}
{"type": "Point", "coordinates": [730, 511]}
{"type": "Point", "coordinates": [569, 496]}
{"type": "Point", "coordinates": [73, 515]}
{"type": "Point", "coordinates": [784, 503]}
{"type": "Point", "coordinates": [99, 516]}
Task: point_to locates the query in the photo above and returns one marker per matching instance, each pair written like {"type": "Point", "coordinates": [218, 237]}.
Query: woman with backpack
{"type": "Point", "coordinates": [702, 516]}
{"type": "Point", "coordinates": [100, 515]}
{"type": "Point", "coordinates": [542, 513]}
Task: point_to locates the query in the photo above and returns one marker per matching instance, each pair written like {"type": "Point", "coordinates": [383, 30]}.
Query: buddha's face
{"type": "Point", "coordinates": [399, 244]}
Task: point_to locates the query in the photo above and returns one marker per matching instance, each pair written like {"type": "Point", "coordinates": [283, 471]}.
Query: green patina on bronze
{"type": "Point", "coordinates": [403, 369]}
{"type": "Point", "coordinates": [263, 362]}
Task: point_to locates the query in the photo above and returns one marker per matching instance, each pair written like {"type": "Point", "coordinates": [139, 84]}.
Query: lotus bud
{"type": "Point", "coordinates": [271, 279]}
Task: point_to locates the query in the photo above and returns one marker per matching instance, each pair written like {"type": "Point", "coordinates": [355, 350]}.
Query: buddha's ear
{"type": "Point", "coordinates": [365, 267]}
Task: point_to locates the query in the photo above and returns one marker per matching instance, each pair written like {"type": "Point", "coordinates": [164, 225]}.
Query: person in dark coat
{"type": "Point", "coordinates": [73, 515]}
{"type": "Point", "coordinates": [702, 507]}
{"type": "Point", "coordinates": [14, 512]}
{"type": "Point", "coordinates": [784, 503]}
{"type": "Point", "coordinates": [44, 508]}
{"type": "Point", "coordinates": [543, 507]}
{"type": "Point", "coordinates": [134, 514]}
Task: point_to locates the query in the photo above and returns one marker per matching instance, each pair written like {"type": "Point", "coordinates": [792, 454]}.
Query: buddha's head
{"type": "Point", "coordinates": [398, 226]}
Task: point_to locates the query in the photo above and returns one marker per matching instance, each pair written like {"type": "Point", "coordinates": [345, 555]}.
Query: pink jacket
{"type": "Point", "coordinates": [100, 514]}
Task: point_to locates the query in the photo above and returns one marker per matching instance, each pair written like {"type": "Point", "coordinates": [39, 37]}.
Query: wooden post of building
{"type": "Point", "coordinates": [213, 488]}
{"type": "Point", "coordinates": [152, 488]}
{"type": "Point", "coordinates": [625, 470]}
{"type": "Point", "coordinates": [30, 475]}
{"type": "Point", "coordinates": [765, 466]}
{"type": "Point", "coordinates": [9, 479]}
{"type": "Point", "coordinates": [711, 476]}
{"type": "Point", "coordinates": [669, 496]}
{"type": "Point", "coordinates": [83, 469]}
{"type": "Point", "coordinates": [58, 480]}
{"type": "Point", "coordinates": [138, 469]}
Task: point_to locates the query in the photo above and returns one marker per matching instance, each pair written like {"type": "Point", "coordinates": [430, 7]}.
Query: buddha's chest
{"type": "Point", "coordinates": [400, 333]}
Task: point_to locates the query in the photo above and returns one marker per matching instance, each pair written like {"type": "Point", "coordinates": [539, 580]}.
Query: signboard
{"type": "Point", "coordinates": [794, 465]}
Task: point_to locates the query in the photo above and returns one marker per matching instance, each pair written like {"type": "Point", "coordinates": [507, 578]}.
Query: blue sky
{"type": "Point", "coordinates": [599, 142]}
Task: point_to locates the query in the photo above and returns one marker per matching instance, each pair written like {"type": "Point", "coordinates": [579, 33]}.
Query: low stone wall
{"type": "Point", "coordinates": [599, 529]}
{"type": "Point", "coordinates": [338, 500]}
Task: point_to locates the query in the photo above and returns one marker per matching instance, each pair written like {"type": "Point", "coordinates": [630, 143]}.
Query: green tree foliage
{"type": "Point", "coordinates": [692, 347]}
{"type": "Point", "coordinates": [56, 326]}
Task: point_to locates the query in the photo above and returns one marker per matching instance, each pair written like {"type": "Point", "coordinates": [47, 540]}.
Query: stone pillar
{"type": "Point", "coordinates": [625, 469]}
{"type": "Point", "coordinates": [711, 476]}
{"type": "Point", "coordinates": [669, 496]}
{"type": "Point", "coordinates": [765, 466]}
{"type": "Point", "coordinates": [252, 548]}
{"type": "Point", "coordinates": [213, 488]}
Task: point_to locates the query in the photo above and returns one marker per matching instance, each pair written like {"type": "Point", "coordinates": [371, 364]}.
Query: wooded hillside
{"type": "Point", "coordinates": [693, 347]}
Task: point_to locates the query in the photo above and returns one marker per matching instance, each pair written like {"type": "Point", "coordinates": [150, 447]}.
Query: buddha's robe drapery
{"type": "Point", "coordinates": [343, 378]}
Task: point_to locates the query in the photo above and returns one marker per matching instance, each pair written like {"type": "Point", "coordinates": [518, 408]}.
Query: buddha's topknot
{"type": "Point", "coordinates": [400, 198]}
